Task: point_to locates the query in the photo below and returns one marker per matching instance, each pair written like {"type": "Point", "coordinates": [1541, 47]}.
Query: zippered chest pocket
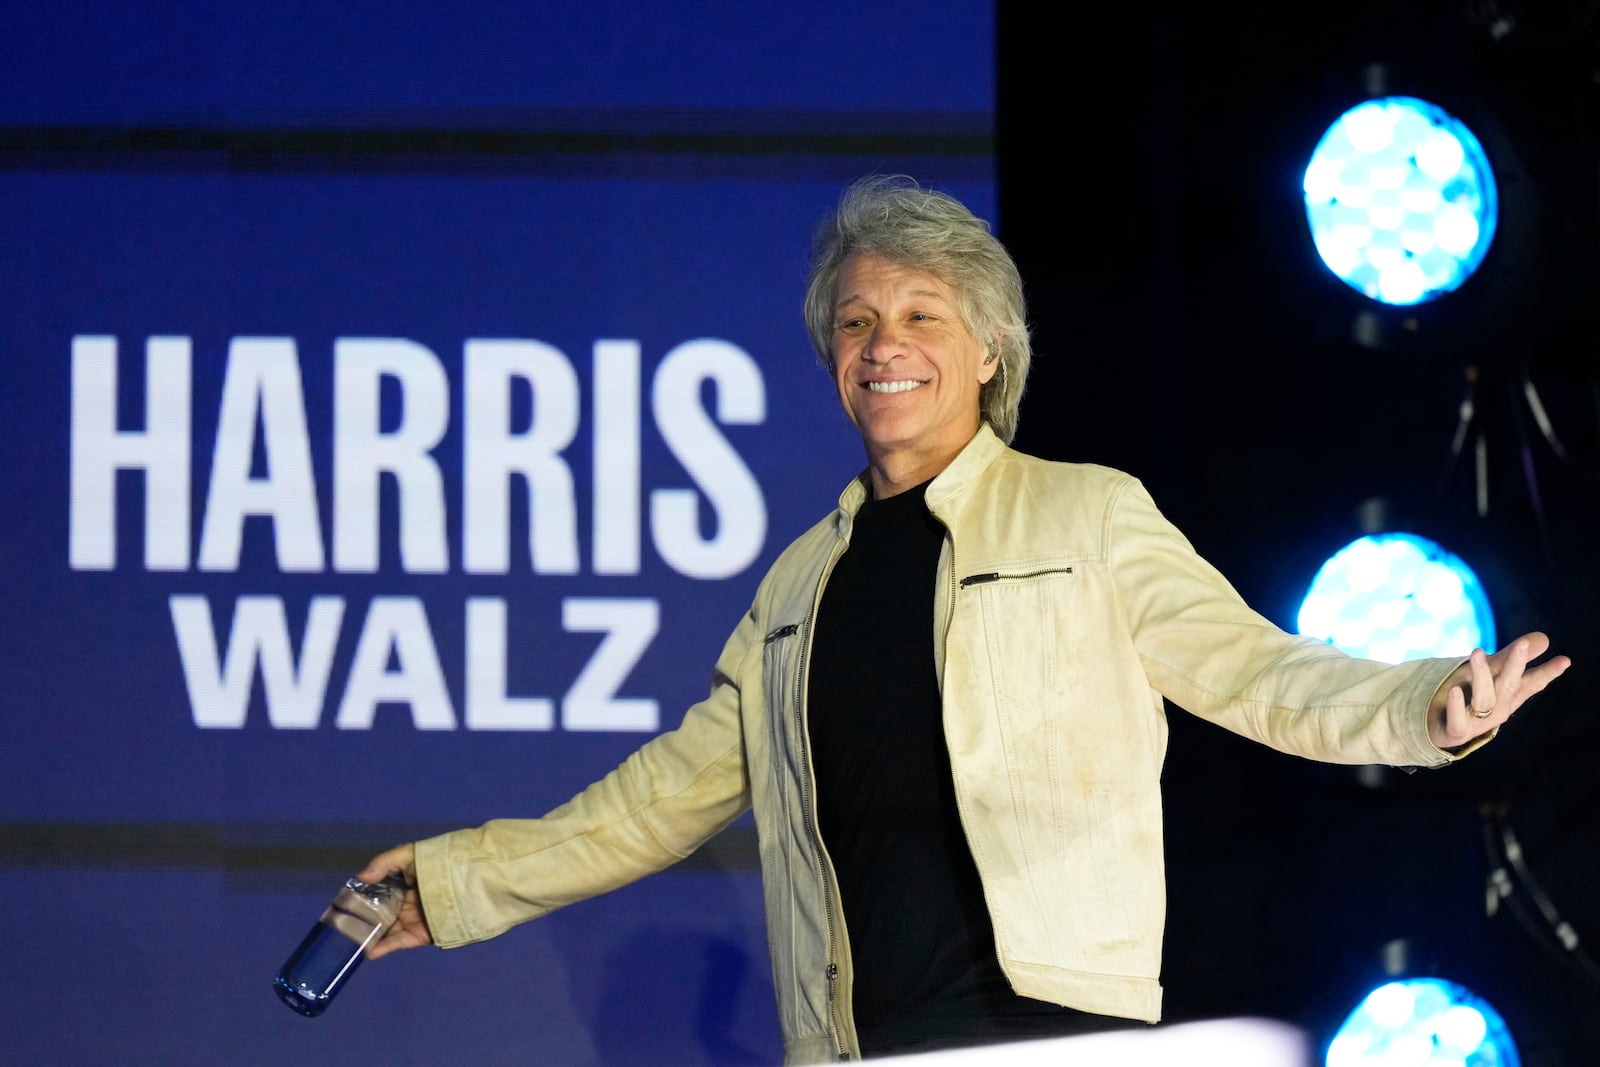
{"type": "Point", "coordinates": [1027, 615]}
{"type": "Point", "coordinates": [780, 677]}
{"type": "Point", "coordinates": [1016, 574]}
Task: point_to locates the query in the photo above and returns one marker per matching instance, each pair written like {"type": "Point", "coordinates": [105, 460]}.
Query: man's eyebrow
{"type": "Point", "coordinates": [859, 299]}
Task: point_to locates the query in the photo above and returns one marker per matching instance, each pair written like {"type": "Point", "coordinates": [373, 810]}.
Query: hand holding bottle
{"type": "Point", "coordinates": [359, 916]}
{"type": "Point", "coordinates": [410, 930]}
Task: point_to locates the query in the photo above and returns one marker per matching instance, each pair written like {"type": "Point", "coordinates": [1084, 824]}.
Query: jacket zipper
{"type": "Point", "coordinates": [949, 617]}
{"type": "Point", "coordinates": [996, 576]}
{"type": "Point", "coordinates": [803, 736]}
{"type": "Point", "coordinates": [944, 640]}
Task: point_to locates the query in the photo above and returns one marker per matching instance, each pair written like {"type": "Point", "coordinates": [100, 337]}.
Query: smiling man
{"type": "Point", "coordinates": [908, 368]}
{"type": "Point", "coordinates": [946, 702]}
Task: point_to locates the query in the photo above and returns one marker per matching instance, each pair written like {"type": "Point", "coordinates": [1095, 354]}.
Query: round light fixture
{"type": "Point", "coordinates": [1397, 597]}
{"type": "Point", "coordinates": [1423, 1022]}
{"type": "Point", "coordinates": [1401, 200]}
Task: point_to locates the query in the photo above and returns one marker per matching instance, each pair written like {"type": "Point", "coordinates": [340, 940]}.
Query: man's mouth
{"type": "Point", "coordinates": [905, 385]}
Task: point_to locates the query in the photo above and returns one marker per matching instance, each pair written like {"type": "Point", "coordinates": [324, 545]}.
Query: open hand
{"type": "Point", "coordinates": [1485, 691]}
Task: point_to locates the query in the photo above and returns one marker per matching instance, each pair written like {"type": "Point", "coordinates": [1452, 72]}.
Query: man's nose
{"type": "Point", "coordinates": [886, 342]}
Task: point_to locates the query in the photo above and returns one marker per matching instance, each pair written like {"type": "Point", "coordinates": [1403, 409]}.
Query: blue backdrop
{"type": "Point", "coordinates": [401, 408]}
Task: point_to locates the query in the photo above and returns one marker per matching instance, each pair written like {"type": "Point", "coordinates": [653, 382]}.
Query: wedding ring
{"type": "Point", "coordinates": [1483, 714]}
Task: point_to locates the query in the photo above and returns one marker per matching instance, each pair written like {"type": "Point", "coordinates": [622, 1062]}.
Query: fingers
{"type": "Point", "coordinates": [1514, 681]}
{"type": "Point", "coordinates": [410, 929]}
{"type": "Point", "coordinates": [1535, 680]}
{"type": "Point", "coordinates": [1483, 684]}
{"type": "Point", "coordinates": [402, 858]}
{"type": "Point", "coordinates": [409, 932]}
{"type": "Point", "coordinates": [1486, 690]}
{"type": "Point", "coordinates": [1455, 706]}
{"type": "Point", "coordinates": [1535, 644]}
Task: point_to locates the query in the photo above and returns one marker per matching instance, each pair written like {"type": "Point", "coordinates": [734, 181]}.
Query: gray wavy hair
{"type": "Point", "coordinates": [894, 217]}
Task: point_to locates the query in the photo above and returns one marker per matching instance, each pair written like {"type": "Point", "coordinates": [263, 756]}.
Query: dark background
{"type": "Point", "coordinates": [1186, 332]}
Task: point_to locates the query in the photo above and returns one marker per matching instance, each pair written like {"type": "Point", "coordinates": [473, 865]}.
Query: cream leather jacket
{"type": "Point", "coordinates": [1067, 608]}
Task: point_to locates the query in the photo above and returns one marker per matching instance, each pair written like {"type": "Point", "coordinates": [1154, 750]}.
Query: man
{"type": "Point", "coordinates": [946, 701]}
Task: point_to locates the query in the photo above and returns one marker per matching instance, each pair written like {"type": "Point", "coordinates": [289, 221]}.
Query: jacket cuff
{"type": "Point", "coordinates": [436, 887]}
{"type": "Point", "coordinates": [1447, 756]}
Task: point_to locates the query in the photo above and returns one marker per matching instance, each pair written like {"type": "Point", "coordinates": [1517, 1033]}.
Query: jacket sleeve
{"type": "Point", "coordinates": [659, 805]}
{"type": "Point", "coordinates": [1208, 652]}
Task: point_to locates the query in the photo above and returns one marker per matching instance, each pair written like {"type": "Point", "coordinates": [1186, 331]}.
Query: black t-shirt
{"type": "Point", "coordinates": [926, 974]}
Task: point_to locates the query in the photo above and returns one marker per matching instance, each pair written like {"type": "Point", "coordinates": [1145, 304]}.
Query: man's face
{"type": "Point", "coordinates": [907, 368]}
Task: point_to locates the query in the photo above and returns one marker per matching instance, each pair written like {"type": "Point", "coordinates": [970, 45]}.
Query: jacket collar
{"type": "Point", "coordinates": [963, 471]}
{"type": "Point", "coordinates": [968, 466]}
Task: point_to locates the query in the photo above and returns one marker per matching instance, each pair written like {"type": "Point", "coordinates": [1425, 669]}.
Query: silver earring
{"type": "Point", "coordinates": [993, 354]}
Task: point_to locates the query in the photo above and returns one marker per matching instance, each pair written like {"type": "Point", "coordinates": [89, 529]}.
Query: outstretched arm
{"type": "Point", "coordinates": [1483, 692]}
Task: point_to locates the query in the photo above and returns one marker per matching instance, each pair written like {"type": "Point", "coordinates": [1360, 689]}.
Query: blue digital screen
{"type": "Point", "coordinates": [402, 406]}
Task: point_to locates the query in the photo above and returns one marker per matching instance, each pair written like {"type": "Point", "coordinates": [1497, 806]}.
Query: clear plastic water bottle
{"type": "Point", "coordinates": [360, 914]}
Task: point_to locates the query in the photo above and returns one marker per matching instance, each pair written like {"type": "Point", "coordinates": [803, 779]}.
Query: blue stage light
{"type": "Point", "coordinates": [1423, 1022]}
{"type": "Point", "coordinates": [1401, 200]}
{"type": "Point", "coordinates": [1396, 597]}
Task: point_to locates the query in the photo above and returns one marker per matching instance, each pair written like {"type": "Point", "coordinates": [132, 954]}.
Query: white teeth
{"type": "Point", "coordinates": [903, 386]}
